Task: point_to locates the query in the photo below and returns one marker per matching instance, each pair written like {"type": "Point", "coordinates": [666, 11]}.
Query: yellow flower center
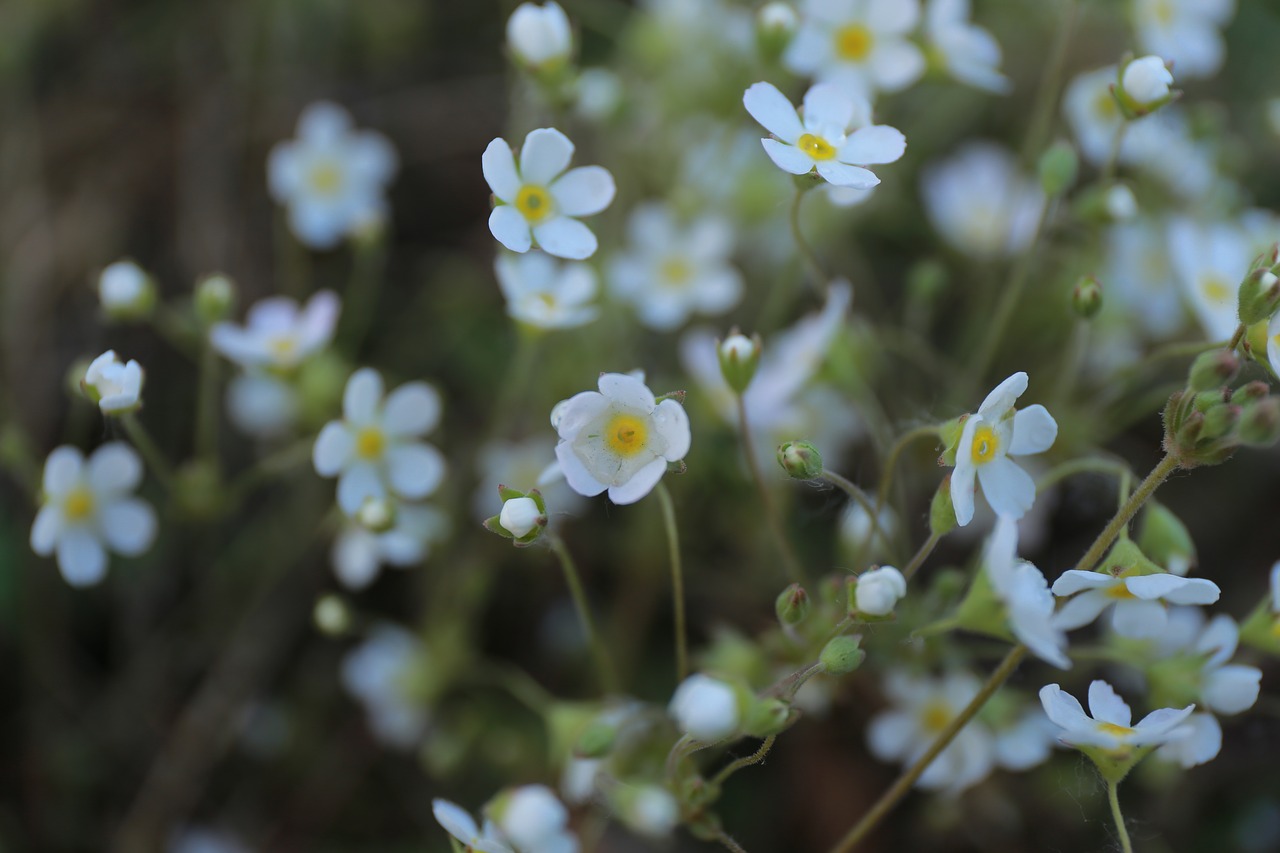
{"type": "Point", "coordinates": [370, 442]}
{"type": "Point", "coordinates": [1105, 105]}
{"type": "Point", "coordinates": [985, 444]}
{"type": "Point", "coordinates": [1120, 591]}
{"type": "Point", "coordinates": [1113, 729]}
{"type": "Point", "coordinates": [325, 178]}
{"type": "Point", "coordinates": [534, 202]}
{"type": "Point", "coordinates": [853, 42]}
{"type": "Point", "coordinates": [1163, 11]}
{"type": "Point", "coordinates": [935, 717]}
{"type": "Point", "coordinates": [816, 147]}
{"type": "Point", "coordinates": [676, 270]}
{"type": "Point", "coordinates": [283, 348]}
{"type": "Point", "coordinates": [79, 505]}
{"type": "Point", "coordinates": [1275, 628]}
{"type": "Point", "coordinates": [1215, 289]}
{"type": "Point", "coordinates": [626, 435]}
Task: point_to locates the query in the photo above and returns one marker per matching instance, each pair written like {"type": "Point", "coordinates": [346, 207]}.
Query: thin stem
{"type": "Point", "coordinates": [736, 765]}
{"type": "Point", "coordinates": [150, 452]}
{"type": "Point", "coordinates": [1236, 338]}
{"type": "Point", "coordinates": [899, 789]}
{"type": "Point", "coordinates": [766, 498]}
{"type": "Point", "coordinates": [727, 840]}
{"type": "Point", "coordinates": [363, 286]}
{"type": "Point", "coordinates": [1046, 95]}
{"type": "Point", "coordinates": [269, 466]}
{"type": "Point", "coordinates": [604, 666]}
{"type": "Point", "coordinates": [921, 555]}
{"type": "Point", "coordinates": [811, 262]}
{"type": "Point", "coordinates": [886, 478]}
{"type": "Point", "coordinates": [1125, 514]}
{"type": "Point", "coordinates": [677, 579]}
{"type": "Point", "coordinates": [845, 485]}
{"type": "Point", "coordinates": [1125, 844]}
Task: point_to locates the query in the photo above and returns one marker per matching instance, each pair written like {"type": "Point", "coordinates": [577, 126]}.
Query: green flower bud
{"type": "Point", "coordinates": [1086, 297]}
{"type": "Point", "coordinates": [942, 513]}
{"type": "Point", "coordinates": [766, 717]}
{"type": "Point", "coordinates": [775, 27]}
{"type": "Point", "coordinates": [1058, 167]}
{"type": "Point", "coordinates": [1260, 423]}
{"type": "Point", "coordinates": [1259, 296]}
{"type": "Point", "coordinates": [842, 655]}
{"type": "Point", "coordinates": [792, 605]}
{"type": "Point", "coordinates": [331, 615]}
{"type": "Point", "coordinates": [1250, 392]}
{"type": "Point", "coordinates": [597, 740]}
{"type": "Point", "coordinates": [523, 516]}
{"type": "Point", "coordinates": [1163, 537]}
{"type": "Point", "coordinates": [739, 358]}
{"type": "Point", "coordinates": [949, 433]}
{"type": "Point", "coordinates": [1220, 420]}
{"type": "Point", "coordinates": [800, 459]}
{"type": "Point", "coordinates": [215, 296]}
{"type": "Point", "coordinates": [1212, 370]}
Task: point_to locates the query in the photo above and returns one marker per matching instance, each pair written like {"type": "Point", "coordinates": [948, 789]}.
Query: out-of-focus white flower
{"type": "Point", "coordinates": [386, 674]}
{"type": "Point", "coordinates": [922, 710]}
{"type": "Point", "coordinates": [777, 17]}
{"type": "Point", "coordinates": [860, 536]}
{"type": "Point", "coordinates": [545, 293]}
{"type": "Point", "coordinates": [1121, 205]}
{"type": "Point", "coordinates": [534, 820]}
{"type": "Point", "coordinates": [199, 839]}
{"type": "Point", "coordinates": [116, 386]}
{"type": "Point", "coordinates": [1200, 744]}
{"type": "Point", "coordinates": [462, 826]}
{"type": "Point", "coordinates": [1025, 742]}
{"type": "Point", "coordinates": [540, 36]}
{"type": "Point", "coordinates": [990, 436]}
{"type": "Point", "coordinates": [878, 590]}
{"type": "Point", "coordinates": [980, 203]}
{"type": "Point", "coordinates": [619, 439]}
{"type": "Point", "coordinates": [1025, 594]}
{"type": "Point", "coordinates": [835, 135]}
{"type": "Point", "coordinates": [1109, 726]}
{"type": "Point", "coordinates": [705, 709]}
{"type": "Point", "coordinates": [1140, 278]}
{"type": "Point", "coordinates": [863, 46]}
{"type": "Point", "coordinates": [1146, 80]}
{"type": "Point", "coordinates": [262, 405]}
{"type": "Point", "coordinates": [651, 810]}
{"type": "Point", "coordinates": [278, 334]}
{"type": "Point", "coordinates": [537, 204]}
{"type": "Point", "coordinates": [359, 552]}
{"type": "Point", "coordinates": [674, 269]}
{"type": "Point", "coordinates": [331, 178]}
{"type": "Point", "coordinates": [1185, 32]}
{"type": "Point", "coordinates": [88, 508]}
{"type": "Point", "coordinates": [1140, 601]}
{"type": "Point", "coordinates": [125, 291]}
{"type": "Point", "coordinates": [968, 52]}
{"type": "Point", "coordinates": [1095, 117]}
{"type": "Point", "coordinates": [1211, 260]}
{"type": "Point", "coordinates": [522, 466]}
{"type": "Point", "coordinates": [374, 450]}
{"type": "Point", "coordinates": [1223, 687]}
{"type": "Point", "coordinates": [597, 94]}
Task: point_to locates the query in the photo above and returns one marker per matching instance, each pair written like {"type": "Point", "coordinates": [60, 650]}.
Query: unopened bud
{"type": "Point", "coordinates": [126, 292]}
{"type": "Point", "coordinates": [1212, 370]}
{"type": "Point", "coordinates": [800, 459]}
{"type": "Point", "coordinates": [1219, 421]}
{"type": "Point", "coordinates": [597, 740]}
{"type": "Point", "coordinates": [1260, 423]}
{"type": "Point", "coordinates": [766, 717]}
{"type": "Point", "coordinates": [739, 358]}
{"type": "Point", "coordinates": [1120, 203]}
{"type": "Point", "coordinates": [1058, 166]}
{"type": "Point", "coordinates": [215, 296]}
{"type": "Point", "coordinates": [1259, 296]}
{"type": "Point", "coordinates": [331, 615]}
{"type": "Point", "coordinates": [792, 605]}
{"type": "Point", "coordinates": [1086, 297]}
{"type": "Point", "coordinates": [775, 27]}
{"type": "Point", "coordinates": [377, 514]}
{"type": "Point", "coordinates": [942, 512]}
{"type": "Point", "coordinates": [842, 655]}
{"type": "Point", "coordinates": [1250, 392]}
{"type": "Point", "coordinates": [1165, 540]}
{"type": "Point", "coordinates": [1145, 83]}
{"type": "Point", "coordinates": [878, 591]}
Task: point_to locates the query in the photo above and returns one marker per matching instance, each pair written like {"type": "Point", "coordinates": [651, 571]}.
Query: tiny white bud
{"type": "Point", "coordinates": [114, 385]}
{"type": "Point", "coordinates": [531, 816]}
{"type": "Point", "coordinates": [704, 708]}
{"type": "Point", "coordinates": [125, 290]}
{"type": "Point", "coordinates": [519, 516]}
{"type": "Point", "coordinates": [331, 615]}
{"type": "Point", "coordinates": [653, 811]}
{"type": "Point", "coordinates": [1146, 80]}
{"type": "Point", "coordinates": [539, 35]}
{"type": "Point", "coordinates": [1121, 205]}
{"type": "Point", "coordinates": [777, 16]}
{"type": "Point", "coordinates": [879, 590]}
{"type": "Point", "coordinates": [739, 347]}
{"type": "Point", "coordinates": [376, 514]}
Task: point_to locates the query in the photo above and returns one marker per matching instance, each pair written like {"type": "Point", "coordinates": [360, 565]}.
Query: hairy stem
{"type": "Point", "coordinates": [1125, 514]}
{"type": "Point", "coordinates": [891, 462]}
{"type": "Point", "coordinates": [746, 761]}
{"type": "Point", "coordinates": [845, 485]}
{"type": "Point", "coordinates": [921, 555]}
{"type": "Point", "coordinates": [1125, 844]}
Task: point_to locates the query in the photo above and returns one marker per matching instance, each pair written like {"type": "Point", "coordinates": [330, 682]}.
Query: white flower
{"type": "Point", "coordinates": [262, 405]}
{"type": "Point", "coordinates": [1025, 593]}
{"type": "Point", "coordinates": [373, 450]}
{"type": "Point", "coordinates": [539, 36]}
{"type": "Point", "coordinates": [652, 811]}
{"type": "Point", "coordinates": [1024, 743]}
{"type": "Point", "coordinates": [1223, 687]}
{"type": "Point", "coordinates": [1146, 80]}
{"type": "Point", "coordinates": [995, 432]}
{"type": "Point", "coordinates": [89, 508]}
{"type": "Point", "coordinates": [619, 439]}
{"type": "Point", "coordinates": [863, 46]}
{"type": "Point", "coordinates": [835, 135]}
{"type": "Point", "coordinates": [1109, 726]}
{"type": "Point", "coordinates": [462, 826]}
{"type": "Point", "coordinates": [861, 537]}
{"type": "Point", "coordinates": [979, 202]}
{"type": "Point", "coordinates": [969, 53]}
{"type": "Point", "coordinates": [705, 709]}
{"type": "Point", "coordinates": [1121, 205]}
{"type": "Point", "coordinates": [534, 819]}
{"type": "Point", "coordinates": [1140, 601]}
{"type": "Point", "coordinates": [1186, 32]}
{"type": "Point", "coordinates": [1200, 744]}
{"type": "Point", "coordinates": [519, 516]}
{"type": "Point", "coordinates": [1094, 116]}
{"type": "Point", "coordinates": [1140, 278]}
{"type": "Point", "coordinates": [597, 94]}
{"type": "Point", "coordinates": [777, 17]}
{"type": "Point", "coordinates": [545, 293]}
{"type": "Point", "coordinates": [359, 552]}
{"type": "Point", "coordinates": [278, 334]}
{"type": "Point", "coordinates": [125, 290]}
{"type": "Point", "coordinates": [923, 708]}
{"type": "Point", "coordinates": [537, 204]}
{"type": "Point", "coordinates": [878, 590]}
{"type": "Point", "coordinates": [1211, 260]}
{"type": "Point", "coordinates": [674, 269]}
{"type": "Point", "coordinates": [117, 386]}
{"type": "Point", "coordinates": [386, 674]}
{"type": "Point", "coordinates": [331, 178]}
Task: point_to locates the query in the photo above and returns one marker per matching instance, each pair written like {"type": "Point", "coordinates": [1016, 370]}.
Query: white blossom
{"type": "Point", "coordinates": [534, 820]}
{"type": "Point", "coordinates": [1140, 600]}
{"type": "Point", "coordinates": [1146, 80]}
{"type": "Point", "coordinates": [1211, 260]}
{"type": "Point", "coordinates": [359, 552]}
{"type": "Point", "coordinates": [125, 290]}
{"type": "Point", "coordinates": [1201, 743]}
{"type": "Point", "coordinates": [980, 203]}
{"type": "Point", "coordinates": [262, 405]}
{"type": "Point", "coordinates": [1023, 590]}
{"type": "Point", "coordinates": [1024, 742]}
{"type": "Point", "coordinates": [539, 36]}
{"type": "Point", "coordinates": [1108, 724]}
{"type": "Point", "coordinates": [519, 516]}
{"type": "Point", "coordinates": [386, 674]}
{"type": "Point", "coordinates": [862, 46]}
{"type": "Point", "coordinates": [116, 385]}
{"type": "Point", "coordinates": [462, 826]}
{"type": "Point", "coordinates": [969, 53]}
{"type": "Point", "coordinates": [546, 293]}
{"type": "Point", "coordinates": [1139, 277]}
{"type": "Point", "coordinates": [1185, 32]}
{"type": "Point", "coordinates": [878, 591]}
{"type": "Point", "coordinates": [705, 709]}
{"type": "Point", "coordinates": [278, 334]}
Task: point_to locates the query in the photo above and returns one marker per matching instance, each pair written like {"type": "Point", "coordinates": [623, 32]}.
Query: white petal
{"type": "Point", "coordinates": [1063, 708]}
{"type": "Point", "coordinates": [1075, 580]}
{"type": "Point", "coordinates": [1201, 744]}
{"type": "Point", "coordinates": [371, 158]}
{"type": "Point", "coordinates": [455, 820]}
{"type": "Point", "coordinates": [892, 16]}
{"type": "Point", "coordinates": [640, 484]}
{"type": "Point", "coordinates": [890, 736]}
{"type": "Point", "coordinates": [1194, 591]}
{"type": "Point", "coordinates": [357, 484]}
{"type": "Point", "coordinates": [844, 175]}
{"type": "Point", "coordinates": [413, 409]}
{"type": "Point", "coordinates": [871, 145]}
{"type": "Point", "coordinates": [1034, 431]}
{"type": "Point", "coordinates": [1154, 726]}
{"type": "Point", "coordinates": [114, 468]}
{"type": "Point", "coordinates": [128, 526]}
{"type": "Point", "coordinates": [319, 223]}
{"type": "Point", "coordinates": [627, 391]}
{"type": "Point", "coordinates": [774, 112]}
{"type": "Point", "coordinates": [1081, 610]}
{"type": "Point", "coordinates": [1218, 639]}
{"type": "Point", "coordinates": [1008, 488]}
{"type": "Point", "coordinates": [1231, 689]}
{"type": "Point", "coordinates": [896, 64]}
{"type": "Point", "coordinates": [1003, 396]}
{"type": "Point", "coordinates": [962, 485]}
{"type": "Point", "coordinates": [672, 423]}
{"type": "Point", "coordinates": [1174, 589]}
{"type": "Point", "coordinates": [316, 321]}
{"type": "Point", "coordinates": [1106, 706]}
{"type": "Point", "coordinates": [323, 122]}
{"type": "Point", "coordinates": [332, 450]}
{"type": "Point", "coordinates": [415, 470]}
{"type": "Point", "coordinates": [355, 558]}
{"type": "Point", "coordinates": [578, 411]}
{"type": "Point", "coordinates": [361, 397]}
{"type": "Point", "coordinates": [565, 238]}
{"type": "Point", "coordinates": [575, 473]}
{"type": "Point", "coordinates": [1275, 581]}
{"type": "Point", "coordinates": [81, 558]}
{"type": "Point", "coordinates": [546, 153]}
{"type": "Point", "coordinates": [62, 470]}
{"type": "Point", "coordinates": [583, 191]}
{"type": "Point", "coordinates": [1139, 619]}
{"type": "Point", "coordinates": [827, 108]}
{"type": "Point", "coordinates": [45, 530]}
{"type": "Point", "coordinates": [788, 158]}
{"type": "Point", "coordinates": [510, 228]}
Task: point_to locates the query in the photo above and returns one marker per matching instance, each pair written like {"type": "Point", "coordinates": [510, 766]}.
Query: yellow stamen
{"type": "Point", "coordinates": [1120, 591]}
{"type": "Point", "coordinates": [1275, 628]}
{"type": "Point", "coordinates": [853, 42]}
{"type": "Point", "coordinates": [816, 147]}
{"type": "Point", "coordinates": [78, 505]}
{"type": "Point", "coordinates": [626, 435]}
{"type": "Point", "coordinates": [675, 270]}
{"type": "Point", "coordinates": [985, 444]}
{"type": "Point", "coordinates": [283, 348]}
{"type": "Point", "coordinates": [1104, 105]}
{"type": "Point", "coordinates": [370, 442]}
{"type": "Point", "coordinates": [1215, 289]}
{"type": "Point", "coordinates": [325, 178]}
{"type": "Point", "coordinates": [534, 202]}
{"type": "Point", "coordinates": [935, 717]}
{"type": "Point", "coordinates": [1113, 729]}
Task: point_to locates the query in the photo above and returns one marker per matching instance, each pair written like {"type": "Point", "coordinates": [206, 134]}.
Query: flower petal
{"type": "Point", "coordinates": [455, 820]}
{"type": "Point", "coordinates": [81, 558]}
{"type": "Point", "coordinates": [415, 470]}
{"type": "Point", "coordinates": [1034, 431]}
{"type": "Point", "coordinates": [1106, 706]}
{"type": "Point", "coordinates": [583, 191]}
{"type": "Point", "coordinates": [510, 229]}
{"type": "Point", "coordinates": [332, 450]}
{"type": "Point", "coordinates": [1063, 708]}
{"type": "Point", "coordinates": [546, 153]}
{"type": "Point", "coordinates": [890, 736]}
{"type": "Point", "coordinates": [672, 423]}
{"type": "Point", "coordinates": [775, 113]}
{"type": "Point", "coordinates": [1008, 488]}
{"type": "Point", "coordinates": [575, 473]}
{"type": "Point", "coordinates": [129, 526]}
{"type": "Point", "coordinates": [1139, 619]}
{"type": "Point", "coordinates": [1003, 396]}
{"type": "Point", "coordinates": [1160, 722]}
{"type": "Point", "coordinates": [1231, 689]}
{"type": "Point", "coordinates": [362, 396]}
{"type": "Point", "coordinates": [45, 530]}
{"type": "Point", "coordinates": [357, 484]}
{"type": "Point", "coordinates": [1174, 589]}
{"type": "Point", "coordinates": [788, 158]}
{"type": "Point", "coordinates": [565, 238]}
{"type": "Point", "coordinates": [640, 484]}
{"type": "Point", "coordinates": [878, 143]}
{"type": "Point", "coordinates": [114, 468]}
{"type": "Point", "coordinates": [962, 477]}
{"type": "Point", "coordinates": [827, 109]}
{"type": "Point", "coordinates": [413, 409]}
{"type": "Point", "coordinates": [1081, 610]}
{"type": "Point", "coordinates": [844, 175]}
{"type": "Point", "coordinates": [1075, 580]}
{"type": "Point", "coordinates": [355, 557]}
{"type": "Point", "coordinates": [625, 390]}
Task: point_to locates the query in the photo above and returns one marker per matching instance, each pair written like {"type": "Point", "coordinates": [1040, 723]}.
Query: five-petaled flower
{"type": "Point", "coordinates": [1140, 600]}
{"type": "Point", "coordinates": [1109, 726]}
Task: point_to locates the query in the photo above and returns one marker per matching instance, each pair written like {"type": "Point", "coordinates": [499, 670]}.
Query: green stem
{"type": "Point", "coordinates": [142, 440]}
{"type": "Point", "coordinates": [1125, 514]}
{"type": "Point", "coordinates": [604, 666]}
{"type": "Point", "coordinates": [362, 291]}
{"type": "Point", "coordinates": [899, 789]}
{"type": "Point", "coordinates": [736, 765]}
{"type": "Point", "coordinates": [1113, 156]}
{"type": "Point", "coordinates": [766, 498]}
{"type": "Point", "coordinates": [816, 272]}
{"type": "Point", "coordinates": [677, 580]}
{"type": "Point", "coordinates": [921, 555]}
{"type": "Point", "coordinates": [886, 478]}
{"type": "Point", "coordinates": [845, 485]}
{"type": "Point", "coordinates": [1125, 844]}
{"type": "Point", "coordinates": [1236, 338]}
{"type": "Point", "coordinates": [1046, 95]}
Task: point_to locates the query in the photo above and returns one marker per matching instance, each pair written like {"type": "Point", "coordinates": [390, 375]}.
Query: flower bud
{"type": "Point", "coordinates": [942, 512]}
{"type": "Point", "coordinates": [1220, 420]}
{"type": "Point", "coordinates": [1260, 423]}
{"type": "Point", "coordinates": [705, 709]}
{"type": "Point", "coordinates": [1259, 296]}
{"type": "Point", "coordinates": [739, 358]}
{"type": "Point", "coordinates": [800, 459]}
{"type": "Point", "coordinates": [597, 740]}
{"type": "Point", "coordinates": [520, 516]}
{"type": "Point", "coordinates": [1120, 204]}
{"type": "Point", "coordinates": [1058, 166]}
{"type": "Point", "coordinates": [377, 514]}
{"type": "Point", "coordinates": [648, 809]}
{"type": "Point", "coordinates": [1165, 540]}
{"type": "Point", "coordinates": [215, 296]}
{"type": "Point", "coordinates": [539, 36]}
{"type": "Point", "coordinates": [1086, 297]}
{"type": "Point", "coordinates": [126, 292]}
{"type": "Point", "coordinates": [1213, 370]}
{"type": "Point", "coordinates": [331, 615]}
{"type": "Point", "coordinates": [792, 605]}
{"type": "Point", "coordinates": [775, 27]}
{"type": "Point", "coordinates": [1145, 83]}
{"type": "Point", "coordinates": [1250, 392]}
{"type": "Point", "coordinates": [878, 591]}
{"type": "Point", "coordinates": [531, 816]}
{"type": "Point", "coordinates": [842, 655]}
{"type": "Point", "coordinates": [114, 385]}
{"type": "Point", "coordinates": [766, 717]}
